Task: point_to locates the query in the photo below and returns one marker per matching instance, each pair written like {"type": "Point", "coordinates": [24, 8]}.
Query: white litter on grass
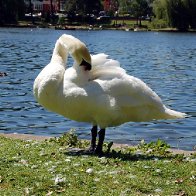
{"type": "Point", "coordinates": [96, 179]}
{"type": "Point", "coordinates": [155, 159]}
{"type": "Point", "coordinates": [76, 164]}
{"type": "Point", "coordinates": [193, 178]}
{"type": "Point", "coordinates": [132, 176]}
{"type": "Point", "coordinates": [192, 160]}
{"type": "Point", "coordinates": [158, 170]}
{"type": "Point", "coordinates": [89, 171]}
{"type": "Point", "coordinates": [27, 191]}
{"type": "Point", "coordinates": [34, 166]}
{"type": "Point", "coordinates": [158, 190]}
{"type": "Point", "coordinates": [146, 167]}
{"type": "Point", "coordinates": [67, 160]}
{"type": "Point", "coordinates": [85, 156]}
{"type": "Point", "coordinates": [23, 162]}
{"type": "Point", "coordinates": [59, 179]}
{"type": "Point", "coordinates": [113, 172]}
{"type": "Point", "coordinates": [166, 161]}
{"type": "Point", "coordinates": [149, 150]}
{"type": "Point", "coordinates": [52, 169]}
{"type": "Point", "coordinates": [102, 171]}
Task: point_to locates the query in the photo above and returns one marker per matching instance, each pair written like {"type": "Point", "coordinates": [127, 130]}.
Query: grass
{"type": "Point", "coordinates": [59, 166]}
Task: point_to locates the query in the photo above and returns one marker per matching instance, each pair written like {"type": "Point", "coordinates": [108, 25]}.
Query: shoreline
{"type": "Point", "coordinates": [95, 27]}
{"type": "Point", "coordinates": [115, 145]}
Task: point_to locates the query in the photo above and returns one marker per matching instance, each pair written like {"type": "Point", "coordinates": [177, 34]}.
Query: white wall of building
{"type": "Point", "coordinates": [37, 4]}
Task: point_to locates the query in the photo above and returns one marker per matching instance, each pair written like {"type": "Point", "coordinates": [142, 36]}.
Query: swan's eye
{"type": "Point", "coordinates": [87, 66]}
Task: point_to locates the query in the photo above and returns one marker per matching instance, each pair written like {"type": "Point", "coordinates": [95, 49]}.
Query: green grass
{"type": "Point", "coordinates": [54, 167]}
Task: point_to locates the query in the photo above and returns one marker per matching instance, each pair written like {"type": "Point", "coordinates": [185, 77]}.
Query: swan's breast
{"type": "Point", "coordinates": [46, 86]}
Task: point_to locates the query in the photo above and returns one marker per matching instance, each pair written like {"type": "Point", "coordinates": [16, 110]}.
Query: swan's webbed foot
{"type": "Point", "coordinates": [99, 151]}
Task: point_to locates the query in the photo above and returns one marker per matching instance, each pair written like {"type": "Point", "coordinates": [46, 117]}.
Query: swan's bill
{"type": "Point", "coordinates": [87, 66]}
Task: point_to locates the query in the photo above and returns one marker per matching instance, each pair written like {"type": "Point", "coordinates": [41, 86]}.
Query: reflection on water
{"type": "Point", "coordinates": [165, 61]}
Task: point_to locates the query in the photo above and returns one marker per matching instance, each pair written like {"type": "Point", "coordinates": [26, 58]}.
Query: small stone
{"type": "Point", "coordinates": [89, 171]}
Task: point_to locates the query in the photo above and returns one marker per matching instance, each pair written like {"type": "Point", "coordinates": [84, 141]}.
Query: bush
{"type": "Point", "coordinates": [159, 24]}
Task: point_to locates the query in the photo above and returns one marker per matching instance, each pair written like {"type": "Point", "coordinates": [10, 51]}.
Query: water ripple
{"type": "Point", "coordinates": [165, 61]}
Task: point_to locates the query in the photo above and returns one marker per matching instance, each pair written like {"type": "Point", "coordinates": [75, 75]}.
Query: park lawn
{"type": "Point", "coordinates": [58, 167]}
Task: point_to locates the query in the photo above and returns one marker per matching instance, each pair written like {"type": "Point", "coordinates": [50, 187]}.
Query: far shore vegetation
{"type": "Point", "coordinates": [61, 166]}
{"type": "Point", "coordinates": [166, 15]}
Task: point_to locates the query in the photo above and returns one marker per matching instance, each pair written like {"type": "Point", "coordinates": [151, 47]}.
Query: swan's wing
{"type": "Point", "coordinates": [123, 99]}
{"type": "Point", "coordinates": [126, 90]}
{"type": "Point", "coordinates": [129, 91]}
{"type": "Point", "coordinates": [103, 60]}
{"type": "Point", "coordinates": [105, 68]}
{"type": "Point", "coordinates": [136, 101]}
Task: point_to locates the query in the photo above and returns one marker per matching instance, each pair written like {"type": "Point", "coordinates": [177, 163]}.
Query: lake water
{"type": "Point", "coordinates": [165, 61]}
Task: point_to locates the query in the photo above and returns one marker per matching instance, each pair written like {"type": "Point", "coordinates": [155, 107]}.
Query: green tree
{"type": "Point", "coordinates": [83, 7]}
{"type": "Point", "coordinates": [191, 7]}
{"type": "Point", "coordinates": [139, 8]}
{"type": "Point", "coordinates": [11, 11]}
{"type": "Point", "coordinates": [82, 10]}
{"type": "Point", "coordinates": [178, 15]}
{"type": "Point", "coordinates": [124, 7]}
{"type": "Point", "coordinates": [159, 9]}
{"type": "Point", "coordinates": [30, 10]}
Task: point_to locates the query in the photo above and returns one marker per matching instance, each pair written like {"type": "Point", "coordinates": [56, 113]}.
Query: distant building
{"type": "Point", "coordinates": [110, 5]}
{"type": "Point", "coordinates": [36, 5]}
{"type": "Point", "coordinates": [45, 6]}
{"type": "Point", "coordinates": [62, 5]}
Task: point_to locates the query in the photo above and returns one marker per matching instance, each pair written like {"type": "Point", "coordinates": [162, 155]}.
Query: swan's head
{"type": "Point", "coordinates": [82, 57]}
{"type": "Point", "coordinates": [78, 51]}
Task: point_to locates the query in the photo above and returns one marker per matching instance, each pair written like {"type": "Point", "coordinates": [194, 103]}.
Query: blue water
{"type": "Point", "coordinates": [165, 61]}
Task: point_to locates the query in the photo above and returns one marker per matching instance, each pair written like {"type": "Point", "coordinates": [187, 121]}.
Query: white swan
{"type": "Point", "coordinates": [95, 90]}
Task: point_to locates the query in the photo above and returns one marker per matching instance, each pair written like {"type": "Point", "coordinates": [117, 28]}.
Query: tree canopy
{"type": "Point", "coordinates": [83, 7]}
{"type": "Point", "coordinates": [180, 14]}
{"type": "Point", "coordinates": [139, 8]}
{"type": "Point", "coordinates": [11, 11]}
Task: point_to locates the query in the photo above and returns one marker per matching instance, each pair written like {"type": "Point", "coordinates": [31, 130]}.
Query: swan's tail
{"type": "Point", "coordinates": [171, 114]}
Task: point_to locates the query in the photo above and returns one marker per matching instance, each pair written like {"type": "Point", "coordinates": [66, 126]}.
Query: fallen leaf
{"type": "Point", "coordinates": [180, 193]}
{"type": "Point", "coordinates": [179, 181]}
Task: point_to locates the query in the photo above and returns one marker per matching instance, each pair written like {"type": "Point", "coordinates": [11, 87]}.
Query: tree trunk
{"type": "Point", "coordinates": [31, 11]}
{"type": "Point", "coordinates": [140, 21]}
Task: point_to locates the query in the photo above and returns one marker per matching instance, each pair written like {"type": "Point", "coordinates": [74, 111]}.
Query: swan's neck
{"type": "Point", "coordinates": [59, 54]}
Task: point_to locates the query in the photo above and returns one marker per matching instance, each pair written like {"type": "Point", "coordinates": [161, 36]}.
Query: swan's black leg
{"type": "Point", "coordinates": [100, 143]}
{"type": "Point", "coordinates": [93, 138]}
